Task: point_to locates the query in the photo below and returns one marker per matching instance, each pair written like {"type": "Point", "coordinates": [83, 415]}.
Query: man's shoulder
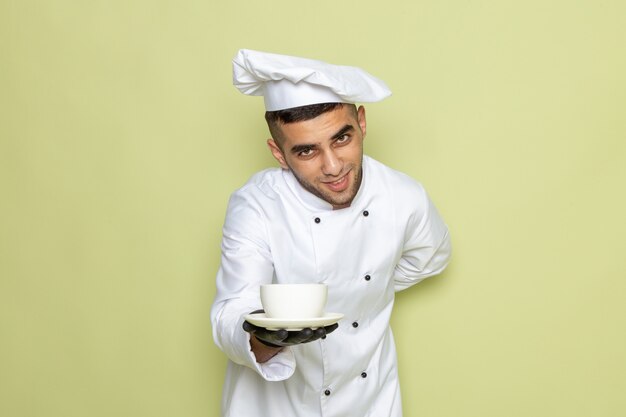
{"type": "Point", "coordinates": [266, 176]}
{"type": "Point", "coordinates": [390, 177]}
{"type": "Point", "coordinates": [262, 185]}
{"type": "Point", "coordinates": [404, 194]}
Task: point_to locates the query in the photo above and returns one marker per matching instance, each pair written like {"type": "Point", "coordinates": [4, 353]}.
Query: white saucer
{"type": "Point", "coordinates": [259, 319]}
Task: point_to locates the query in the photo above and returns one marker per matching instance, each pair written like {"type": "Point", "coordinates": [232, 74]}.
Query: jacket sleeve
{"type": "Point", "coordinates": [246, 263]}
{"type": "Point", "coordinates": [427, 247]}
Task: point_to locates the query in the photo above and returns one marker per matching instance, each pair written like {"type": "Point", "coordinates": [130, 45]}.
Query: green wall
{"type": "Point", "coordinates": [121, 138]}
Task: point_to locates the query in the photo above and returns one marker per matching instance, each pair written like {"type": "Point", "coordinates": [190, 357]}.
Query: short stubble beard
{"type": "Point", "coordinates": [329, 198]}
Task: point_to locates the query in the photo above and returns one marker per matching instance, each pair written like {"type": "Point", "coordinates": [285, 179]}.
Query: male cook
{"type": "Point", "coordinates": [328, 215]}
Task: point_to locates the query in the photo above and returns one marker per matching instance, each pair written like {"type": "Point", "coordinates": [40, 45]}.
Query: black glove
{"type": "Point", "coordinates": [283, 337]}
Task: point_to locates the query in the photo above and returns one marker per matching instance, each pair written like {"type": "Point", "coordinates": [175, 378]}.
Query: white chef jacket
{"type": "Point", "coordinates": [390, 238]}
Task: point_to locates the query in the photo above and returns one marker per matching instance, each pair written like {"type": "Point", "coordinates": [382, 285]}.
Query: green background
{"type": "Point", "coordinates": [121, 138]}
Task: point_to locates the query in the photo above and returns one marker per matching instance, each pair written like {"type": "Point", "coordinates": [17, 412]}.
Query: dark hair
{"type": "Point", "coordinates": [298, 114]}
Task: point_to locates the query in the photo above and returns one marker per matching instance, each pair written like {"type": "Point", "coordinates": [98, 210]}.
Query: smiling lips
{"type": "Point", "coordinates": [339, 185]}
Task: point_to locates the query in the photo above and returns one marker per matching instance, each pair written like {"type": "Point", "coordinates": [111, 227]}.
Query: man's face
{"type": "Point", "coordinates": [325, 153]}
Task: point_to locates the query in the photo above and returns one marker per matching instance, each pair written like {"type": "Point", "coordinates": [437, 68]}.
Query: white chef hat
{"type": "Point", "coordinates": [286, 81]}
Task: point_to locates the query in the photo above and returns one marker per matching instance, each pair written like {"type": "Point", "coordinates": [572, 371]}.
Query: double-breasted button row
{"type": "Point", "coordinates": [318, 220]}
{"type": "Point", "coordinates": [327, 391]}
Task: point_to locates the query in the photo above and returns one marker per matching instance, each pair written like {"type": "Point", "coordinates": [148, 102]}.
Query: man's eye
{"type": "Point", "coordinates": [306, 152]}
{"type": "Point", "coordinates": [343, 138]}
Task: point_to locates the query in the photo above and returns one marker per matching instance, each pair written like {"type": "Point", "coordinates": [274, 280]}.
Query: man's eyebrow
{"type": "Point", "coordinates": [300, 148]}
{"type": "Point", "coordinates": [305, 147]}
{"type": "Point", "coordinates": [343, 131]}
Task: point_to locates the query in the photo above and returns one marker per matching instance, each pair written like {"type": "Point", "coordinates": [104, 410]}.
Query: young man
{"type": "Point", "coordinates": [328, 215]}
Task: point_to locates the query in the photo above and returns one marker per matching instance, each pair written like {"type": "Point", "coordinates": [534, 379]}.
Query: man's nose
{"type": "Point", "coordinates": [332, 164]}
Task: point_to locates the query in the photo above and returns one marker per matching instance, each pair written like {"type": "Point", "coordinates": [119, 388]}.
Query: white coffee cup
{"type": "Point", "coordinates": [294, 301]}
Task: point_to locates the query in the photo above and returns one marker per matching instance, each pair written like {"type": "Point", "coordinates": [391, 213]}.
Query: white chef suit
{"type": "Point", "coordinates": [390, 238]}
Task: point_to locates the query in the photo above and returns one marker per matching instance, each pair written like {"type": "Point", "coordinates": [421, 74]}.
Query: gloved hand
{"type": "Point", "coordinates": [282, 337]}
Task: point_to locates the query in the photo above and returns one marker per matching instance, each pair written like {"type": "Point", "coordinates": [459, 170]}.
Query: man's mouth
{"type": "Point", "coordinates": [340, 185]}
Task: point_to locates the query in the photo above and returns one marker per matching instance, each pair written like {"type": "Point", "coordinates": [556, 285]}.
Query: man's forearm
{"type": "Point", "coordinates": [262, 352]}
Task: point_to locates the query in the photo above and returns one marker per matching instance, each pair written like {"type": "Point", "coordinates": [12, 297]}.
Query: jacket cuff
{"type": "Point", "coordinates": [278, 368]}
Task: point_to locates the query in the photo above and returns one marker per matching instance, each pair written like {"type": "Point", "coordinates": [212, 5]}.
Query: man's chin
{"type": "Point", "coordinates": [339, 201]}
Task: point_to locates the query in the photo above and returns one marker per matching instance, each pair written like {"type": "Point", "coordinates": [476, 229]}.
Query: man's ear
{"type": "Point", "coordinates": [361, 120]}
{"type": "Point", "coordinates": [277, 153]}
